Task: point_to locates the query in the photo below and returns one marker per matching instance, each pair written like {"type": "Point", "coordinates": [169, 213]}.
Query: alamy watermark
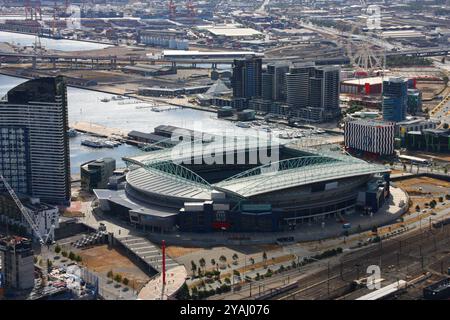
{"type": "Point", "coordinates": [229, 147]}
{"type": "Point", "coordinates": [374, 278]}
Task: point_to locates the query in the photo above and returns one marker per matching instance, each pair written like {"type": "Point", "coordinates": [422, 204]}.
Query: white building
{"type": "Point", "coordinates": [45, 216]}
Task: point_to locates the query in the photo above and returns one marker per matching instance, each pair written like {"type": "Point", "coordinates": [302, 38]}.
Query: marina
{"type": "Point", "coordinates": [113, 121]}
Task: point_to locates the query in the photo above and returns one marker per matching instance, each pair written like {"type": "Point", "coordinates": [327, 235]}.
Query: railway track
{"type": "Point", "coordinates": [403, 257]}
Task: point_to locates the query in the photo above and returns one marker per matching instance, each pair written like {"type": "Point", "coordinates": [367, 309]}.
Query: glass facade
{"type": "Point", "coordinates": [395, 99]}
{"type": "Point", "coordinates": [14, 160]}
{"type": "Point", "coordinates": [34, 142]}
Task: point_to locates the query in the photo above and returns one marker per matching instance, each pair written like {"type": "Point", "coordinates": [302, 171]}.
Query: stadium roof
{"type": "Point", "coordinates": [161, 172]}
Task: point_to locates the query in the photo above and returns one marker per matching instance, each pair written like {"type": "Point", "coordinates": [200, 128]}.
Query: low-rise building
{"type": "Point", "coordinates": [362, 86]}
{"type": "Point", "coordinates": [370, 136]}
{"type": "Point", "coordinates": [149, 70]}
{"type": "Point", "coordinates": [172, 39]}
{"type": "Point", "coordinates": [431, 140]}
{"type": "Point", "coordinates": [416, 124]}
{"type": "Point", "coordinates": [95, 173]}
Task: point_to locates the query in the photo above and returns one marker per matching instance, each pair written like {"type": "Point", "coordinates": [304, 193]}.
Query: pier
{"type": "Point", "coordinates": [100, 131]}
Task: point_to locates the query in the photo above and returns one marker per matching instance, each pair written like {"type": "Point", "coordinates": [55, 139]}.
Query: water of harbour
{"type": "Point", "coordinates": [50, 44]}
{"type": "Point", "coordinates": [86, 105]}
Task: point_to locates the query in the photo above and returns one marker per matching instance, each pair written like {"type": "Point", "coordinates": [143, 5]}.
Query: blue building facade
{"type": "Point", "coordinates": [395, 99]}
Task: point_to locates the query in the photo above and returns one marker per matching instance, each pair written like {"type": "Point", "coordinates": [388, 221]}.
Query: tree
{"type": "Point", "coordinates": [235, 258]}
{"type": "Point", "coordinates": [202, 262]}
{"type": "Point", "coordinates": [264, 256]}
{"type": "Point", "coordinates": [71, 255]}
{"type": "Point", "coordinates": [252, 260]}
{"type": "Point", "coordinates": [64, 254]}
{"type": "Point", "coordinates": [447, 196]}
{"type": "Point", "coordinates": [49, 264]}
{"type": "Point", "coordinates": [223, 258]}
{"type": "Point", "coordinates": [213, 262]}
{"type": "Point", "coordinates": [125, 281]}
{"type": "Point", "coordinates": [194, 293]}
{"type": "Point", "coordinates": [193, 267]}
{"type": "Point", "coordinates": [57, 249]}
{"type": "Point", "coordinates": [118, 278]}
{"type": "Point", "coordinates": [445, 126]}
{"type": "Point", "coordinates": [441, 199]}
{"type": "Point", "coordinates": [417, 208]}
{"type": "Point", "coordinates": [110, 274]}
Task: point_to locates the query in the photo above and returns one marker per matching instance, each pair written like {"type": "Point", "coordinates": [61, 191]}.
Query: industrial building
{"type": "Point", "coordinates": [370, 136]}
{"type": "Point", "coordinates": [16, 262]}
{"type": "Point", "coordinates": [230, 32]}
{"type": "Point", "coordinates": [171, 92]}
{"type": "Point", "coordinates": [362, 86]}
{"type": "Point", "coordinates": [171, 39]}
{"type": "Point", "coordinates": [35, 147]}
{"type": "Point", "coordinates": [167, 191]}
{"type": "Point", "coordinates": [149, 70]}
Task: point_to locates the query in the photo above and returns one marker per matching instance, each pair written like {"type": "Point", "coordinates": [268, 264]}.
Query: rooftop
{"type": "Point", "coordinates": [363, 81]}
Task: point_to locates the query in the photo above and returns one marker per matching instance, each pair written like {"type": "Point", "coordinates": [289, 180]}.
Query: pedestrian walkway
{"type": "Point", "coordinates": [155, 290]}
{"type": "Point", "coordinates": [147, 252]}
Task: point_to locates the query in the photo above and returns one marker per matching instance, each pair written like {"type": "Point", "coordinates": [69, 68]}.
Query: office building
{"type": "Point", "coordinates": [414, 101]}
{"type": "Point", "coordinates": [95, 174]}
{"type": "Point", "coordinates": [370, 136]}
{"type": "Point", "coordinates": [17, 263]}
{"type": "Point", "coordinates": [298, 85]}
{"type": "Point", "coordinates": [278, 74]}
{"type": "Point", "coordinates": [34, 145]}
{"type": "Point", "coordinates": [312, 93]}
{"type": "Point", "coordinates": [267, 86]}
{"type": "Point", "coordinates": [324, 92]}
{"type": "Point", "coordinates": [246, 79]}
{"type": "Point", "coordinates": [395, 99]}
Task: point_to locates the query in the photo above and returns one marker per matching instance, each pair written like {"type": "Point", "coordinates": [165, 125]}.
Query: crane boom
{"type": "Point", "coordinates": [23, 210]}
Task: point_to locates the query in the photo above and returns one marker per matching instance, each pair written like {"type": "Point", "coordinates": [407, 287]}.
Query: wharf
{"type": "Point", "coordinates": [100, 131]}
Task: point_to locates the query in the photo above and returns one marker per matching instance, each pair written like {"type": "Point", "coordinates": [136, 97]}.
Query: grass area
{"type": "Point", "coordinates": [102, 259]}
{"type": "Point", "coordinates": [175, 252]}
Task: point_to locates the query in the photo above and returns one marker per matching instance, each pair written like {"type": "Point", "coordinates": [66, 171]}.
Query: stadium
{"type": "Point", "coordinates": [169, 191]}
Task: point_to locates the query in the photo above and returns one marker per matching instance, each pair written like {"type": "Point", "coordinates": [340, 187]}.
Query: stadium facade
{"type": "Point", "coordinates": [167, 191]}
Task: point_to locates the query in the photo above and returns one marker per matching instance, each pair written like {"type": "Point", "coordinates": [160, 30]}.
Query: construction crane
{"type": "Point", "coordinates": [26, 215]}
{"type": "Point", "coordinates": [190, 8]}
{"type": "Point", "coordinates": [172, 9]}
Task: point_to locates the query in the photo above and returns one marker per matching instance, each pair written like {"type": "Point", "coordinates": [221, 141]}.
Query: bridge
{"type": "Point", "coordinates": [75, 61]}
{"type": "Point", "coordinates": [428, 52]}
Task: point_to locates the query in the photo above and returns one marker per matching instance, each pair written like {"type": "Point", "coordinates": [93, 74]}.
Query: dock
{"type": "Point", "coordinates": [100, 131]}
